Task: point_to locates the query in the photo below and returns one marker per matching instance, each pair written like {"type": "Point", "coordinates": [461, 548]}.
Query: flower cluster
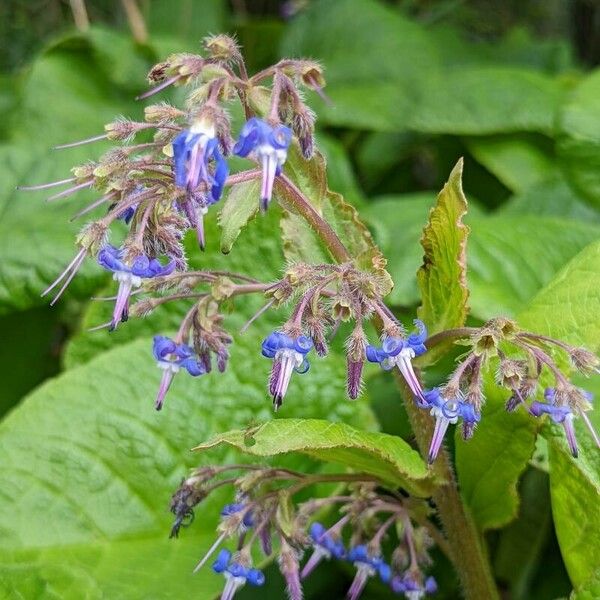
{"type": "Point", "coordinates": [521, 359]}
{"type": "Point", "coordinates": [371, 521]}
{"type": "Point", "coordinates": [172, 356]}
{"type": "Point", "coordinates": [163, 188]}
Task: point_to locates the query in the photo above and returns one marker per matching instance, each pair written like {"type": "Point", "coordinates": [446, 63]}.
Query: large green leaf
{"type": "Point", "coordinates": [568, 307]}
{"type": "Point", "coordinates": [552, 197]}
{"type": "Point", "coordinates": [579, 140]}
{"type": "Point", "coordinates": [36, 239]}
{"type": "Point", "coordinates": [489, 465]}
{"type": "Point", "coordinates": [385, 456]}
{"type": "Point", "coordinates": [590, 590]}
{"type": "Point", "coordinates": [103, 465]}
{"type": "Point", "coordinates": [375, 60]}
{"type": "Point", "coordinates": [574, 489]}
{"type": "Point", "coordinates": [442, 277]}
{"type": "Point", "coordinates": [517, 161]}
{"type": "Point", "coordinates": [511, 258]}
{"type": "Point", "coordinates": [483, 100]}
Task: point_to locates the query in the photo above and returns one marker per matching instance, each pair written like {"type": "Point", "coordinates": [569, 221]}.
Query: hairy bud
{"type": "Point", "coordinates": [222, 48]}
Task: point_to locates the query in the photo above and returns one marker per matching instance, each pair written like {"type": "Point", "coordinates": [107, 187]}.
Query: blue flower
{"type": "Point", "coordinates": [446, 412]}
{"type": "Point", "coordinates": [193, 149]}
{"type": "Point", "coordinates": [129, 276]}
{"type": "Point", "coordinates": [270, 144]}
{"type": "Point", "coordinates": [399, 352]}
{"type": "Point", "coordinates": [367, 566]}
{"type": "Point", "coordinates": [413, 587]}
{"type": "Point", "coordinates": [236, 575]}
{"type": "Point", "coordinates": [236, 507]}
{"type": "Point", "coordinates": [288, 354]}
{"type": "Point", "coordinates": [127, 214]}
{"type": "Point", "coordinates": [562, 414]}
{"type": "Point", "coordinates": [325, 547]}
{"type": "Point", "coordinates": [171, 357]}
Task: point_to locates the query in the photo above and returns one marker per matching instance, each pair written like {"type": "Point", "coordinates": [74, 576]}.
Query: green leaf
{"type": "Point", "coordinates": [517, 161]}
{"type": "Point", "coordinates": [579, 137]}
{"type": "Point", "coordinates": [397, 223]}
{"type": "Point", "coordinates": [79, 106]}
{"type": "Point", "coordinates": [239, 207]}
{"type": "Point", "coordinates": [340, 173]}
{"type": "Point", "coordinates": [485, 100]}
{"type": "Point", "coordinates": [104, 464]}
{"type": "Point", "coordinates": [385, 456]}
{"type": "Point", "coordinates": [552, 197]}
{"type": "Point", "coordinates": [511, 258]}
{"type": "Point", "coordinates": [179, 25]}
{"type": "Point", "coordinates": [375, 61]}
{"type": "Point", "coordinates": [590, 590]}
{"type": "Point", "coordinates": [574, 490]}
{"type": "Point", "coordinates": [568, 307]}
{"type": "Point", "coordinates": [442, 277]}
{"type": "Point", "coordinates": [521, 544]}
{"type": "Point", "coordinates": [489, 465]}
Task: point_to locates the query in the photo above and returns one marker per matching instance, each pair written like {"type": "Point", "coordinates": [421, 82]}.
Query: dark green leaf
{"type": "Point", "coordinates": [375, 60]}
{"type": "Point", "coordinates": [484, 100]}
{"type": "Point", "coordinates": [579, 140]}
{"type": "Point", "coordinates": [515, 160]}
{"type": "Point", "coordinates": [104, 464]}
{"type": "Point", "coordinates": [552, 197]}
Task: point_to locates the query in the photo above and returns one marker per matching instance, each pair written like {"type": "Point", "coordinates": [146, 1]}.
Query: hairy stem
{"type": "Point", "coordinates": [467, 550]}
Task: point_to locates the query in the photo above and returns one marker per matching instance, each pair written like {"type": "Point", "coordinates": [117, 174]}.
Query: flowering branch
{"type": "Point", "coordinates": [162, 189]}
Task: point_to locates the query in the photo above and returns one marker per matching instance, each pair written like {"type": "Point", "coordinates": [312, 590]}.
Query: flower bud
{"type": "Point", "coordinates": [222, 48]}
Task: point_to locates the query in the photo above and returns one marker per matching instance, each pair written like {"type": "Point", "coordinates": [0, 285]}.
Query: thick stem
{"type": "Point", "coordinates": [467, 550]}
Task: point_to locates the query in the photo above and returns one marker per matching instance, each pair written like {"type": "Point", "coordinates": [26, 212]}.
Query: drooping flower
{"type": "Point", "coordinates": [270, 144]}
{"type": "Point", "coordinates": [236, 575]}
{"type": "Point", "coordinates": [129, 276]}
{"type": "Point", "coordinates": [239, 507]}
{"type": "Point", "coordinates": [399, 352]}
{"type": "Point", "coordinates": [171, 357]}
{"type": "Point", "coordinates": [193, 149]}
{"type": "Point", "coordinates": [325, 546]}
{"type": "Point", "coordinates": [413, 587]}
{"type": "Point", "coordinates": [446, 411]}
{"type": "Point", "coordinates": [367, 566]}
{"type": "Point", "coordinates": [563, 414]}
{"type": "Point", "coordinates": [288, 354]}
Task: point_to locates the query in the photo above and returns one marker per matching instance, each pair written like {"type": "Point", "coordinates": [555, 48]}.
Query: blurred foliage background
{"type": "Point", "coordinates": [512, 86]}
